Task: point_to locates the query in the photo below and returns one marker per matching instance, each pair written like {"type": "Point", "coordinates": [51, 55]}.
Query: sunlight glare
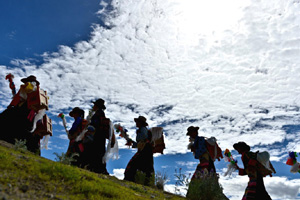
{"type": "Point", "coordinates": [198, 18]}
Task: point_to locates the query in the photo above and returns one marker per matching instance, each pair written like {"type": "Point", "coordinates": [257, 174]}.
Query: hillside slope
{"type": "Point", "coordinates": [27, 176]}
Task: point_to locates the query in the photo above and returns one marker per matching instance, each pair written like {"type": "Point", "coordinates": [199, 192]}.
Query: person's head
{"type": "Point", "coordinates": [99, 104]}
{"type": "Point", "coordinates": [30, 78]}
{"type": "Point", "coordinates": [140, 121]}
{"type": "Point", "coordinates": [192, 131]}
{"type": "Point", "coordinates": [241, 147]}
{"type": "Point", "coordinates": [77, 112]}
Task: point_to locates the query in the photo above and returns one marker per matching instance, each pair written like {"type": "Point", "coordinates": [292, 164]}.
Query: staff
{"type": "Point", "coordinates": [11, 83]}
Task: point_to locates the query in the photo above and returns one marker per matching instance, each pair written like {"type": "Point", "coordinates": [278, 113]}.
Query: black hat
{"type": "Point", "coordinates": [78, 111]}
{"type": "Point", "coordinates": [192, 129]}
{"type": "Point", "coordinates": [241, 145]}
{"type": "Point", "coordinates": [142, 120]}
{"type": "Point", "coordinates": [99, 103]}
{"type": "Point", "coordinates": [30, 78]}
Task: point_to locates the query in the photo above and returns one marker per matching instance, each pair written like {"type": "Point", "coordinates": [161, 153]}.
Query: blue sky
{"type": "Point", "coordinates": [230, 68]}
{"type": "Point", "coordinates": [30, 28]}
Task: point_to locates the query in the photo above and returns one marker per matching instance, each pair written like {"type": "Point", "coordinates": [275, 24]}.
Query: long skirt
{"type": "Point", "coordinates": [142, 161]}
{"type": "Point", "coordinates": [206, 165]}
{"type": "Point", "coordinates": [91, 157]}
{"type": "Point", "coordinates": [205, 181]}
{"type": "Point", "coordinates": [256, 189]}
{"type": "Point", "coordinates": [15, 125]}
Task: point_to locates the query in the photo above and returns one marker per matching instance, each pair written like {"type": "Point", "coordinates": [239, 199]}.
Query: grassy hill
{"type": "Point", "coordinates": [24, 175]}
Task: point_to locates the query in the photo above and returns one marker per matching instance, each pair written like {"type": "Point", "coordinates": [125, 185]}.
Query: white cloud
{"type": "Point", "coordinates": [179, 190]}
{"type": "Point", "coordinates": [232, 69]}
{"type": "Point", "coordinates": [119, 173]}
{"type": "Point", "coordinates": [63, 137]}
{"type": "Point", "coordinates": [189, 164]}
{"type": "Point", "coordinates": [282, 188]}
{"type": "Point", "coordinates": [224, 71]}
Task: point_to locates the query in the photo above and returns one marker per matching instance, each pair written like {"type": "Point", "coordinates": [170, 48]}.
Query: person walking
{"type": "Point", "coordinates": [95, 150]}
{"type": "Point", "coordinates": [17, 121]}
{"type": "Point", "coordinates": [77, 128]}
{"type": "Point", "coordinates": [205, 180]}
{"type": "Point", "coordinates": [200, 150]}
{"type": "Point", "coordinates": [142, 161]}
{"type": "Point", "coordinates": [255, 171]}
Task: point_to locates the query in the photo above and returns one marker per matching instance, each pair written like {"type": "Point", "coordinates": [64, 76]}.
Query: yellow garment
{"type": "Point", "coordinates": [141, 146]}
{"type": "Point", "coordinates": [29, 87]}
{"type": "Point", "coordinates": [204, 157]}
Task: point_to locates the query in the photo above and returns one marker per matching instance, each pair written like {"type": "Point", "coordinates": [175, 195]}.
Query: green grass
{"type": "Point", "coordinates": [24, 175]}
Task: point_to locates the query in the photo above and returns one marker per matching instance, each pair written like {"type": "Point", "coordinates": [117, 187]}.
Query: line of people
{"type": "Point", "coordinates": [25, 119]}
{"type": "Point", "coordinates": [206, 150]}
{"type": "Point", "coordinates": [91, 149]}
{"type": "Point", "coordinates": [87, 139]}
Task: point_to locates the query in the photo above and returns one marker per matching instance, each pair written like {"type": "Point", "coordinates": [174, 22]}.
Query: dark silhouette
{"type": "Point", "coordinates": [95, 148]}
{"type": "Point", "coordinates": [16, 121]}
{"type": "Point", "coordinates": [142, 161]}
{"type": "Point", "coordinates": [255, 171]}
{"type": "Point", "coordinates": [205, 180]}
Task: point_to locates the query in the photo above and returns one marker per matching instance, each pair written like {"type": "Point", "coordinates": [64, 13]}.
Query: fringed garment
{"type": "Point", "coordinates": [255, 188]}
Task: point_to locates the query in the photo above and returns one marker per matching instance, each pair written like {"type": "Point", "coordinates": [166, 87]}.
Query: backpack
{"type": "Point", "coordinates": [262, 163]}
{"type": "Point", "coordinates": [264, 166]}
{"type": "Point", "coordinates": [213, 148]}
{"type": "Point", "coordinates": [156, 137]}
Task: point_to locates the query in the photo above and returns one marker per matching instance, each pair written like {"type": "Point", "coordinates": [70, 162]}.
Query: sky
{"type": "Point", "coordinates": [230, 67]}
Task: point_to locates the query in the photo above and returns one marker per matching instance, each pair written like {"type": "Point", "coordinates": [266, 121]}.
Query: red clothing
{"type": "Point", "coordinates": [255, 188]}
{"type": "Point", "coordinates": [214, 151]}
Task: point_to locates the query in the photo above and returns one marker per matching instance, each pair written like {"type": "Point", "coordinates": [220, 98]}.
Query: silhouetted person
{"type": "Point", "coordinates": [142, 161]}
{"type": "Point", "coordinates": [16, 121]}
{"type": "Point", "coordinates": [256, 188]}
{"type": "Point", "coordinates": [206, 150]}
{"type": "Point", "coordinates": [95, 150]}
{"type": "Point", "coordinates": [78, 126]}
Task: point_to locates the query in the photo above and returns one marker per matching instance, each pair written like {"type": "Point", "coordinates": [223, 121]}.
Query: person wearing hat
{"type": "Point", "coordinates": [255, 188]}
{"type": "Point", "coordinates": [30, 84]}
{"type": "Point", "coordinates": [31, 79]}
{"type": "Point", "coordinates": [77, 127]}
{"type": "Point", "coordinates": [95, 151]}
{"type": "Point", "coordinates": [143, 160]}
{"type": "Point", "coordinates": [201, 147]}
{"type": "Point", "coordinates": [17, 120]}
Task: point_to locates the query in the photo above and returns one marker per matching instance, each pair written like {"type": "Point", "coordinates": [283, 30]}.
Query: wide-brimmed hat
{"type": "Point", "coordinates": [192, 129]}
{"type": "Point", "coordinates": [241, 145]}
{"type": "Point", "coordinates": [99, 103]}
{"type": "Point", "coordinates": [30, 78]}
{"type": "Point", "coordinates": [78, 111]}
{"type": "Point", "coordinates": [142, 120]}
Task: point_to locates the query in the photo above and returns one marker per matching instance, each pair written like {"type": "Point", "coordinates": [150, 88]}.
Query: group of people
{"type": "Point", "coordinates": [91, 147]}
{"type": "Point", "coordinates": [23, 120]}
{"type": "Point", "coordinates": [87, 140]}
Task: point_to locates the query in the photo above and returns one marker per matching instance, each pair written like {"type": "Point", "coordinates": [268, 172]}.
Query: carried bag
{"type": "Point", "coordinates": [156, 137]}
{"type": "Point", "coordinates": [264, 165]}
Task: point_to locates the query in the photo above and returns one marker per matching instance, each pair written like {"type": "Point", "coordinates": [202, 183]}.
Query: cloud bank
{"type": "Point", "coordinates": [231, 69]}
